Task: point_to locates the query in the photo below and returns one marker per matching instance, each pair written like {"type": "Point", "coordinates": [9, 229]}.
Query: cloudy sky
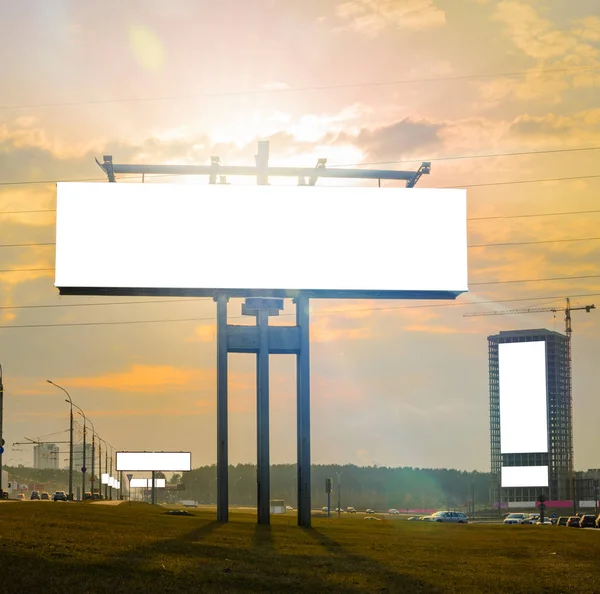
{"type": "Point", "coordinates": [501, 97]}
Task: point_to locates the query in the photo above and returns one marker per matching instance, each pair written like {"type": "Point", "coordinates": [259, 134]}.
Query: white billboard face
{"type": "Point", "coordinates": [168, 239]}
{"type": "Point", "coordinates": [524, 476]}
{"type": "Point", "coordinates": [142, 483]}
{"type": "Point", "coordinates": [523, 398]}
{"type": "Point", "coordinates": [148, 461]}
{"type": "Point", "coordinates": [104, 478]}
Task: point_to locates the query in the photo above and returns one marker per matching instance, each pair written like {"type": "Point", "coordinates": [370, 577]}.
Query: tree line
{"type": "Point", "coordinates": [361, 487]}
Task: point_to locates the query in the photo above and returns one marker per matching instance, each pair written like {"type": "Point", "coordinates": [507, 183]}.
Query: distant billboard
{"type": "Point", "coordinates": [524, 476]}
{"type": "Point", "coordinates": [104, 479]}
{"type": "Point", "coordinates": [148, 461]}
{"type": "Point", "coordinates": [523, 397]}
{"type": "Point", "coordinates": [142, 483]}
{"type": "Point", "coordinates": [279, 241]}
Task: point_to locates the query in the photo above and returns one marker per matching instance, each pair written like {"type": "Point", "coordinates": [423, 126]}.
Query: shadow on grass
{"type": "Point", "coordinates": [394, 582]}
{"type": "Point", "coordinates": [203, 531]}
{"type": "Point", "coordinates": [263, 537]}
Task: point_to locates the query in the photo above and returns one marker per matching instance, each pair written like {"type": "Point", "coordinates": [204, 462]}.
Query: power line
{"type": "Point", "coordinates": [299, 89]}
{"type": "Point", "coordinates": [325, 312]}
{"type": "Point", "coordinates": [485, 245]}
{"type": "Point", "coordinates": [53, 305]}
{"type": "Point", "coordinates": [485, 156]}
{"type": "Point", "coordinates": [522, 181]}
{"type": "Point", "coordinates": [541, 214]}
{"type": "Point", "coordinates": [480, 245]}
{"type": "Point", "coordinates": [536, 280]}
{"type": "Point", "coordinates": [497, 217]}
{"type": "Point", "coordinates": [179, 300]}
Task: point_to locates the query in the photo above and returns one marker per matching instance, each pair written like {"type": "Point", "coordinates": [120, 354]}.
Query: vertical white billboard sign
{"type": "Point", "coordinates": [523, 397]}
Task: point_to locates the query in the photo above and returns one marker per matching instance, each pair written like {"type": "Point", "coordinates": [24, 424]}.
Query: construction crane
{"type": "Point", "coordinates": [568, 331]}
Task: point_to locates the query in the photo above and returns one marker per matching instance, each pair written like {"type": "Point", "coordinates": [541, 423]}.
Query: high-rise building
{"type": "Point", "coordinates": [531, 435]}
{"type": "Point", "coordinates": [46, 455]}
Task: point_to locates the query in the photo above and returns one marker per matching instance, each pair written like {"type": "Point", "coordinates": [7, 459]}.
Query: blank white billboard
{"type": "Point", "coordinates": [148, 461]}
{"type": "Point", "coordinates": [524, 476]}
{"type": "Point", "coordinates": [169, 239]}
{"type": "Point", "coordinates": [523, 398]}
{"type": "Point", "coordinates": [142, 483]}
{"type": "Point", "coordinates": [104, 479]}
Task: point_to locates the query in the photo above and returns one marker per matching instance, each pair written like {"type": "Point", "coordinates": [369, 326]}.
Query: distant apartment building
{"type": "Point", "coordinates": [531, 435]}
{"type": "Point", "coordinates": [46, 456]}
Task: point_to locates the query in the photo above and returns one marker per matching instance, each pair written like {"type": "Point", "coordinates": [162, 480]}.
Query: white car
{"type": "Point", "coordinates": [448, 516]}
{"type": "Point", "coordinates": [515, 518]}
{"type": "Point", "coordinates": [393, 512]}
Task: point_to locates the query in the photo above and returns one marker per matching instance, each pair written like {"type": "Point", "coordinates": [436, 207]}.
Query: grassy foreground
{"type": "Point", "coordinates": [55, 547]}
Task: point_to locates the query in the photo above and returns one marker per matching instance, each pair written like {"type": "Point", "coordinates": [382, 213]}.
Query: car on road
{"type": "Point", "coordinates": [371, 518]}
{"type": "Point", "coordinates": [546, 522]}
{"type": "Point", "coordinates": [45, 496]}
{"type": "Point", "coordinates": [393, 512]}
{"type": "Point", "coordinates": [598, 522]}
{"type": "Point", "coordinates": [20, 497]}
{"type": "Point", "coordinates": [573, 522]}
{"type": "Point", "coordinates": [324, 509]}
{"type": "Point", "coordinates": [453, 517]}
{"type": "Point", "coordinates": [59, 496]}
{"type": "Point", "coordinates": [531, 519]}
{"type": "Point", "coordinates": [414, 519]}
{"type": "Point", "coordinates": [515, 518]}
{"type": "Point", "coordinates": [587, 521]}
{"type": "Point", "coordinates": [562, 521]}
{"type": "Point", "coordinates": [289, 508]}
{"type": "Point", "coordinates": [350, 510]}
{"type": "Point", "coordinates": [35, 495]}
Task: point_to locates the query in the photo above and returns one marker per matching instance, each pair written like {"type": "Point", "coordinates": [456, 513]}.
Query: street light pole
{"type": "Point", "coordinates": [70, 438]}
{"type": "Point", "coordinates": [92, 477]}
{"type": "Point", "coordinates": [100, 440]}
{"type": "Point", "coordinates": [83, 467]}
{"type": "Point", "coordinates": [111, 469]}
{"type": "Point", "coordinates": [1, 424]}
{"type": "Point", "coordinates": [339, 474]}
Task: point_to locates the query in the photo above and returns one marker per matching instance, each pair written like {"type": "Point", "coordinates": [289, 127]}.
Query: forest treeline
{"type": "Point", "coordinates": [360, 486]}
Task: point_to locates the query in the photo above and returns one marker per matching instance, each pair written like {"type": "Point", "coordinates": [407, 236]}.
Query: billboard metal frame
{"type": "Point", "coordinates": [261, 338]}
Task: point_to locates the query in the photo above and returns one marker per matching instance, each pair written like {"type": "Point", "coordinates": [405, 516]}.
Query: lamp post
{"type": "Point", "coordinates": [105, 468]}
{"type": "Point", "coordinates": [339, 474]}
{"type": "Point", "coordinates": [111, 468]}
{"type": "Point", "coordinates": [99, 466]}
{"type": "Point", "coordinates": [92, 477]}
{"type": "Point", "coordinates": [70, 438]}
{"type": "Point", "coordinates": [1, 438]}
{"type": "Point", "coordinates": [83, 468]}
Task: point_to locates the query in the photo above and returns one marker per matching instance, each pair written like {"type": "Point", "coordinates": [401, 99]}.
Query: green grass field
{"type": "Point", "coordinates": [81, 547]}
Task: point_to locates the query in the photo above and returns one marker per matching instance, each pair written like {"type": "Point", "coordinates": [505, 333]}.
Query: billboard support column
{"type": "Point", "coordinates": [262, 417]}
{"type": "Point", "coordinates": [222, 436]}
{"type": "Point", "coordinates": [153, 487]}
{"type": "Point", "coordinates": [303, 412]}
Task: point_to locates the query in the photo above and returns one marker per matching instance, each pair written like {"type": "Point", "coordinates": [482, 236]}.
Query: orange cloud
{"type": "Point", "coordinates": [146, 378]}
{"type": "Point", "coordinates": [205, 333]}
